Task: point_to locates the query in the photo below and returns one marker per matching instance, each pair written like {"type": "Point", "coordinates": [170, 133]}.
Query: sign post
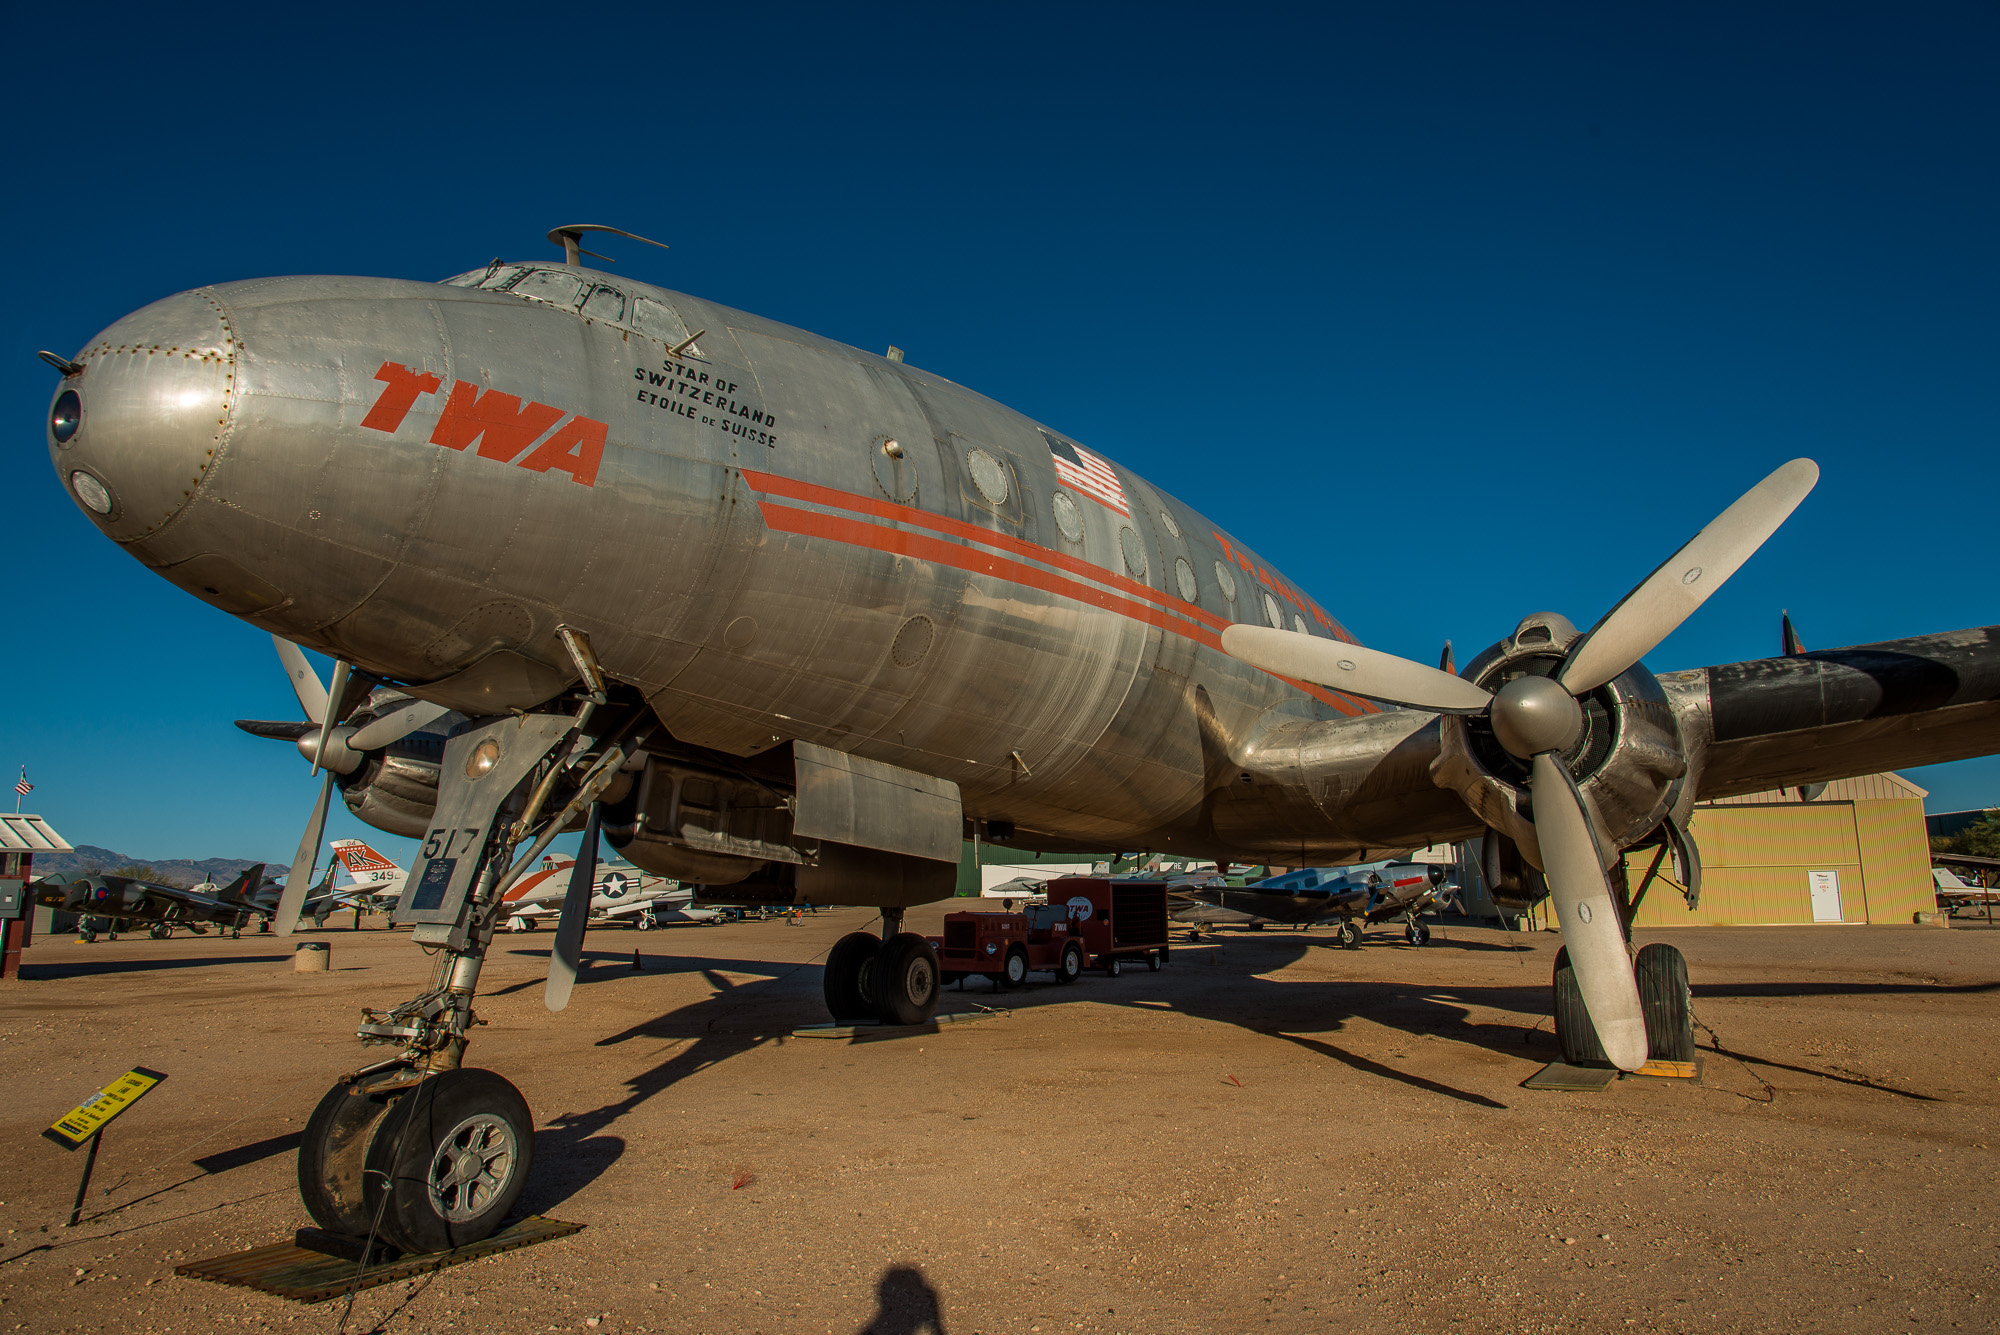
{"type": "Point", "coordinates": [85, 1123]}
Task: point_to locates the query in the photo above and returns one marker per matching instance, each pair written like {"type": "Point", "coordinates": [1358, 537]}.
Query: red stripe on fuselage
{"type": "Point", "coordinates": [1187, 620]}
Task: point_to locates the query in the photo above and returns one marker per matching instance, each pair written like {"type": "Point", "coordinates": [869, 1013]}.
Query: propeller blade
{"type": "Point", "coordinates": [1590, 925]}
{"type": "Point", "coordinates": [300, 881]}
{"type": "Point", "coordinates": [568, 952]}
{"type": "Point", "coordinates": [396, 725]}
{"type": "Point", "coordinates": [1349, 667]}
{"type": "Point", "coordinates": [335, 694]}
{"type": "Point", "coordinates": [305, 682]}
{"type": "Point", "coordinates": [1671, 593]}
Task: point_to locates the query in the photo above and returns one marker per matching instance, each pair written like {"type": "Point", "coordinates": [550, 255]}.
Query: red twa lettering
{"type": "Point", "coordinates": [500, 422]}
{"type": "Point", "coordinates": [576, 449]}
{"type": "Point", "coordinates": [402, 387]}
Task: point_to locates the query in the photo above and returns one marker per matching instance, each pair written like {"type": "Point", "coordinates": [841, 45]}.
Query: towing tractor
{"type": "Point", "coordinates": [1088, 923]}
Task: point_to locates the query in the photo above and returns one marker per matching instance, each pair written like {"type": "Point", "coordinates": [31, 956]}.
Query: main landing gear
{"type": "Point", "coordinates": [892, 977]}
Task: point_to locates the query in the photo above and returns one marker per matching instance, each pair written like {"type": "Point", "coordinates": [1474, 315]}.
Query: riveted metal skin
{"type": "Point", "coordinates": [750, 557]}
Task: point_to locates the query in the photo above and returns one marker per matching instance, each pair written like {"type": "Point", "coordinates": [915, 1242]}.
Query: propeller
{"type": "Point", "coordinates": [330, 752]}
{"type": "Point", "coordinates": [1536, 718]}
{"type": "Point", "coordinates": [567, 955]}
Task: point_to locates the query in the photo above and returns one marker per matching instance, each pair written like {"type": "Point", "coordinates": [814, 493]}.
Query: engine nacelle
{"type": "Point", "coordinates": [1630, 761]}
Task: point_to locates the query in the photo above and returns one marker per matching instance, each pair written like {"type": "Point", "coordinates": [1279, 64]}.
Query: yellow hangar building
{"type": "Point", "coordinates": [1857, 853]}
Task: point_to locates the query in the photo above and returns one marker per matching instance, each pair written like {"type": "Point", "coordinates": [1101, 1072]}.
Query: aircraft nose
{"type": "Point", "coordinates": [137, 430]}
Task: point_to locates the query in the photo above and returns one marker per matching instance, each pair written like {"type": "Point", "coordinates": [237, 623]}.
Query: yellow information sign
{"type": "Point", "coordinates": [80, 1123]}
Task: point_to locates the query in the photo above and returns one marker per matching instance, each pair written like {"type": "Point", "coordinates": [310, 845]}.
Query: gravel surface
{"type": "Point", "coordinates": [1271, 1133]}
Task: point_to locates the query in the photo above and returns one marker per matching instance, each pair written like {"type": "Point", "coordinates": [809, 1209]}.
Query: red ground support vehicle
{"type": "Point", "coordinates": [1088, 923]}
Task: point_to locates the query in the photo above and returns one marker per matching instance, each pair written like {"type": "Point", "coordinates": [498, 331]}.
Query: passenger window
{"type": "Point", "coordinates": [550, 285]}
{"type": "Point", "coordinates": [652, 319]}
{"type": "Point", "coordinates": [605, 303]}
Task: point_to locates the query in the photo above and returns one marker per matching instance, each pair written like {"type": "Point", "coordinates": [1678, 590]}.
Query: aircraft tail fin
{"type": "Point", "coordinates": [244, 888]}
{"type": "Point", "coordinates": [361, 861]}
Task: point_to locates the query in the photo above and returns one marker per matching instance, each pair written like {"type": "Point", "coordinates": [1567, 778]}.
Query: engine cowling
{"type": "Point", "coordinates": [1630, 761]}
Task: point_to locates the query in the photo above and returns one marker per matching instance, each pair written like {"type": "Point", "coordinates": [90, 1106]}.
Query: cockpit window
{"type": "Point", "coordinates": [492, 277]}
{"type": "Point", "coordinates": [605, 303]}
{"type": "Point", "coordinates": [550, 285]}
{"type": "Point", "coordinates": [652, 319]}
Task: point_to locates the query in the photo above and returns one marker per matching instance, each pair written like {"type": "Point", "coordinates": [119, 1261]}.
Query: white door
{"type": "Point", "coordinates": [1825, 895]}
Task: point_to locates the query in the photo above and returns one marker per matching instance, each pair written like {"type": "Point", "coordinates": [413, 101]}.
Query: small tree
{"type": "Point", "coordinates": [1980, 839]}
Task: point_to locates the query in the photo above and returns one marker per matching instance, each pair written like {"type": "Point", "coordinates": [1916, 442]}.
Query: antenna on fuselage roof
{"type": "Point", "coordinates": [568, 237]}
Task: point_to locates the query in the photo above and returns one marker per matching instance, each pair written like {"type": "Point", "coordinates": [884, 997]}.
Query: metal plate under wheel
{"type": "Point", "coordinates": [876, 1029]}
{"type": "Point", "coordinates": [1556, 1075]}
{"type": "Point", "coordinates": [291, 1271]}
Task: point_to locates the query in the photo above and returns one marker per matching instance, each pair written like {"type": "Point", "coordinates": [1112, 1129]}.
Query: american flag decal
{"type": "Point", "coordinates": [1081, 469]}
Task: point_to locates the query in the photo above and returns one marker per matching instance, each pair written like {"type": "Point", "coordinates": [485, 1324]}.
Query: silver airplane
{"type": "Point", "coordinates": [789, 620]}
{"type": "Point", "coordinates": [1355, 896]}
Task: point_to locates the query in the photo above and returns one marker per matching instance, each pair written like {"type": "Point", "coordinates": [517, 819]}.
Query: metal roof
{"type": "Point", "coordinates": [1863, 788]}
{"type": "Point", "coordinates": [30, 834]}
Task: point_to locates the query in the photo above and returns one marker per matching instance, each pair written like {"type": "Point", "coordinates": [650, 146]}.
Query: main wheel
{"type": "Point", "coordinates": [1662, 975]}
{"type": "Point", "coordinates": [159, 931]}
{"type": "Point", "coordinates": [334, 1150]}
{"type": "Point", "coordinates": [906, 980]}
{"type": "Point", "coordinates": [1576, 1037]}
{"type": "Point", "coordinates": [1416, 933]}
{"type": "Point", "coordinates": [644, 922]}
{"type": "Point", "coordinates": [847, 998]}
{"type": "Point", "coordinates": [1070, 967]}
{"type": "Point", "coordinates": [1350, 935]}
{"type": "Point", "coordinates": [448, 1160]}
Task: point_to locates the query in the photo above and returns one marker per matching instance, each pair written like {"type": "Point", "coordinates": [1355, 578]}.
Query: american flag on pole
{"type": "Point", "coordinates": [1081, 469]}
{"type": "Point", "coordinates": [24, 787]}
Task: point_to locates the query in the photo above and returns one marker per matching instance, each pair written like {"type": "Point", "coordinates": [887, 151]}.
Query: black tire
{"type": "Point", "coordinates": [159, 931]}
{"type": "Point", "coordinates": [1416, 933]}
{"type": "Point", "coordinates": [448, 1161]}
{"type": "Point", "coordinates": [643, 923]}
{"type": "Point", "coordinates": [1016, 966]}
{"type": "Point", "coordinates": [1155, 960]}
{"type": "Point", "coordinates": [850, 957]}
{"type": "Point", "coordinates": [1069, 967]}
{"type": "Point", "coordinates": [1350, 936]}
{"type": "Point", "coordinates": [334, 1150]}
{"type": "Point", "coordinates": [1576, 1039]}
{"type": "Point", "coordinates": [906, 980]}
{"type": "Point", "coordinates": [1662, 975]}
{"type": "Point", "coordinates": [1113, 967]}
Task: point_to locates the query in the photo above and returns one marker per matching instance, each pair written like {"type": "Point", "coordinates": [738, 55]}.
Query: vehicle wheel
{"type": "Point", "coordinates": [1350, 936]}
{"type": "Point", "coordinates": [236, 934]}
{"type": "Point", "coordinates": [1016, 965]}
{"type": "Point", "coordinates": [1154, 961]}
{"type": "Point", "coordinates": [1113, 967]}
{"type": "Point", "coordinates": [264, 927]}
{"type": "Point", "coordinates": [1576, 1038]}
{"type": "Point", "coordinates": [846, 994]}
{"type": "Point", "coordinates": [334, 1151]}
{"type": "Point", "coordinates": [448, 1160]}
{"type": "Point", "coordinates": [1070, 967]}
{"type": "Point", "coordinates": [1662, 974]}
{"type": "Point", "coordinates": [906, 980]}
{"type": "Point", "coordinates": [86, 937]}
{"type": "Point", "coordinates": [644, 923]}
{"type": "Point", "coordinates": [159, 931]}
{"type": "Point", "coordinates": [1416, 933]}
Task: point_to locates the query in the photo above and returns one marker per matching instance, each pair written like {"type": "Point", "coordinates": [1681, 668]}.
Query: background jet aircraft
{"type": "Point", "coordinates": [373, 876]}
{"type": "Point", "coordinates": [1370, 893]}
{"type": "Point", "coordinates": [117, 902]}
{"type": "Point", "coordinates": [786, 619]}
{"type": "Point", "coordinates": [620, 893]}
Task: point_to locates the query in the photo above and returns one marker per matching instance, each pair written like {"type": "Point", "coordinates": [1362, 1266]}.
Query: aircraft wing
{"type": "Point", "coordinates": [1839, 713]}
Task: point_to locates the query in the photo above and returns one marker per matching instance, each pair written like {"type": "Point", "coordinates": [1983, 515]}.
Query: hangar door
{"type": "Point", "coordinates": [1759, 865]}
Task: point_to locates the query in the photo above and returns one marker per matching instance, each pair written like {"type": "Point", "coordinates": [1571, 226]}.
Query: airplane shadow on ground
{"type": "Point", "coordinates": [738, 1017]}
{"type": "Point", "coordinates": [91, 968]}
{"type": "Point", "coordinates": [905, 1304]}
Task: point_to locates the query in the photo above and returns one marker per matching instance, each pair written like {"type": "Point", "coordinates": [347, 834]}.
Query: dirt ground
{"type": "Point", "coordinates": [1271, 1133]}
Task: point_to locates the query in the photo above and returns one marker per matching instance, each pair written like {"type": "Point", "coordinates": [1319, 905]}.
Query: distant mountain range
{"type": "Point", "coordinates": [172, 871]}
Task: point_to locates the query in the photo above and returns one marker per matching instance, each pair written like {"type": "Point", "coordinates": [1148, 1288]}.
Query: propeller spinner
{"type": "Point", "coordinates": [1535, 718]}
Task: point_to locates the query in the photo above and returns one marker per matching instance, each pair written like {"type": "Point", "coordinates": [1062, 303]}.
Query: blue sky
{"type": "Point", "coordinates": [1456, 311]}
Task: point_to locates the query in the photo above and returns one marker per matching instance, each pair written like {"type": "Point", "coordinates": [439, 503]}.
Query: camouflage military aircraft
{"type": "Point", "coordinates": [790, 620]}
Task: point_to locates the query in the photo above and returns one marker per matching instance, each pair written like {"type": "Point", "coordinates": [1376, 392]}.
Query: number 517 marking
{"type": "Point", "coordinates": [440, 843]}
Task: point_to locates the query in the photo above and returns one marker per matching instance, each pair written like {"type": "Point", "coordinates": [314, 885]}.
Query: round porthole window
{"type": "Point", "coordinates": [91, 492]}
{"type": "Point", "coordinates": [1274, 613]}
{"type": "Point", "coordinates": [989, 475]}
{"type": "Point", "coordinates": [1135, 552]}
{"type": "Point", "coordinates": [1226, 581]}
{"type": "Point", "coordinates": [1168, 522]}
{"type": "Point", "coordinates": [1184, 576]}
{"type": "Point", "coordinates": [1069, 519]}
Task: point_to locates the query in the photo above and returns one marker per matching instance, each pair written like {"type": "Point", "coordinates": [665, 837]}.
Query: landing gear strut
{"type": "Point", "coordinates": [892, 978]}
{"type": "Point", "coordinates": [419, 1152]}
